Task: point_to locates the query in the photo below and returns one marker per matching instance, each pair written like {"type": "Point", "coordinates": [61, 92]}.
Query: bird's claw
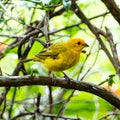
{"type": "Point", "coordinates": [67, 78]}
{"type": "Point", "coordinates": [52, 78]}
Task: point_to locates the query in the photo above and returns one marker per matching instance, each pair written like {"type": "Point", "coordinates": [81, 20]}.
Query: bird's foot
{"type": "Point", "coordinates": [67, 78]}
{"type": "Point", "coordinates": [52, 78]}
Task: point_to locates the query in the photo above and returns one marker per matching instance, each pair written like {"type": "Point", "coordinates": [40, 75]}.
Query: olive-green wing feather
{"type": "Point", "coordinates": [52, 51]}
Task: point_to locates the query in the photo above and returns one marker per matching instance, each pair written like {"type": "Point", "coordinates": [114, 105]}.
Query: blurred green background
{"type": "Point", "coordinates": [93, 67]}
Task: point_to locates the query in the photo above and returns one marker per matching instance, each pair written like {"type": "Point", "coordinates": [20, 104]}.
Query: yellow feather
{"type": "Point", "coordinates": [61, 56]}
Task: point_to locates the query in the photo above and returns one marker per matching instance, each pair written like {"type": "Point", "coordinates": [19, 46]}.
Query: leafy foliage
{"type": "Point", "coordinates": [27, 27]}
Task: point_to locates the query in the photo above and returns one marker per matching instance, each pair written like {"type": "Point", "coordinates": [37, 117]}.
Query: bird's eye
{"type": "Point", "coordinates": [78, 43]}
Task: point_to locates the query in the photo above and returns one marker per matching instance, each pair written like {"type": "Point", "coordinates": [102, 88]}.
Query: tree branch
{"type": "Point", "coordinates": [113, 8]}
{"type": "Point", "coordinates": [60, 82]}
{"type": "Point", "coordinates": [96, 31]}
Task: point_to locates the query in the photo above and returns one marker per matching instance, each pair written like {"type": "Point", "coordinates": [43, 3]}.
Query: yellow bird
{"type": "Point", "coordinates": [61, 56]}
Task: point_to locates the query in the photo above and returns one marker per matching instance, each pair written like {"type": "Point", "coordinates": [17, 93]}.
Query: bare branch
{"type": "Point", "coordinates": [113, 49]}
{"type": "Point", "coordinates": [113, 8]}
{"type": "Point", "coordinates": [60, 82]}
{"type": "Point", "coordinates": [96, 31]}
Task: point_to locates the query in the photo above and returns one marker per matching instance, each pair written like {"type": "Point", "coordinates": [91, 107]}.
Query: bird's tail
{"type": "Point", "coordinates": [26, 60]}
{"type": "Point", "coordinates": [32, 59]}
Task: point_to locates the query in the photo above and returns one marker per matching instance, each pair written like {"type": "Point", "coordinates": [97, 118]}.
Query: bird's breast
{"type": "Point", "coordinates": [62, 62]}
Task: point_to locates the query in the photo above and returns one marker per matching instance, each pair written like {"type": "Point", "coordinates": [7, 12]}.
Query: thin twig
{"type": "Point", "coordinates": [64, 104]}
{"type": "Point", "coordinates": [113, 49]}
{"type": "Point", "coordinates": [12, 103]}
{"type": "Point", "coordinates": [45, 115]}
{"type": "Point", "coordinates": [96, 31]}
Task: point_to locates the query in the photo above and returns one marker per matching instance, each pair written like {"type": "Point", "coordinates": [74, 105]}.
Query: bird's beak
{"type": "Point", "coordinates": [85, 45]}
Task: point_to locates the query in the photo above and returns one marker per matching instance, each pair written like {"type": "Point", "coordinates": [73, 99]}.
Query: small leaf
{"type": "Point", "coordinates": [110, 80]}
{"type": "Point", "coordinates": [67, 4]}
{"type": "Point", "coordinates": [55, 1]}
{"type": "Point", "coordinates": [21, 20]}
{"type": "Point", "coordinates": [2, 20]}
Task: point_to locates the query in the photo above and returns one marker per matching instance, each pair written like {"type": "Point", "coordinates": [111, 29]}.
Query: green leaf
{"type": "Point", "coordinates": [55, 1]}
{"type": "Point", "coordinates": [2, 20]}
{"type": "Point", "coordinates": [110, 80]}
{"type": "Point", "coordinates": [67, 4]}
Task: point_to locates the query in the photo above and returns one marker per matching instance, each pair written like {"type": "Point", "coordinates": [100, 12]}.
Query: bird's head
{"type": "Point", "coordinates": [77, 44]}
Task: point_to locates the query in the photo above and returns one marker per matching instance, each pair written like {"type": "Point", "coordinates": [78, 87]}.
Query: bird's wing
{"type": "Point", "coordinates": [52, 51]}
